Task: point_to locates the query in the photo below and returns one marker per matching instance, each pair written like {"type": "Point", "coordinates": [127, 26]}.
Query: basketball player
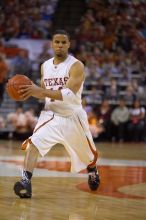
{"type": "Point", "coordinates": [63, 119]}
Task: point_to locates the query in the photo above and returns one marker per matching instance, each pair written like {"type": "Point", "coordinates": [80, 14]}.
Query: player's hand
{"type": "Point", "coordinates": [27, 91]}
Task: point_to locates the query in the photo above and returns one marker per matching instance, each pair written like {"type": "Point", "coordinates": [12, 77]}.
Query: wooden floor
{"type": "Point", "coordinates": [60, 195]}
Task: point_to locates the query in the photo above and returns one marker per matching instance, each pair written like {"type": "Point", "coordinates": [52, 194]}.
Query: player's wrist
{"type": "Point", "coordinates": [44, 93]}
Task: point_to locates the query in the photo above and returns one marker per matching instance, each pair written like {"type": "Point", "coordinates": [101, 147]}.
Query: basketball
{"type": "Point", "coordinates": [13, 85]}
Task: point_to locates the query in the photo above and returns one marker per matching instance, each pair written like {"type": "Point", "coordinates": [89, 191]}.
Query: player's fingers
{"type": "Point", "coordinates": [24, 97]}
{"type": "Point", "coordinates": [25, 94]}
{"type": "Point", "coordinates": [24, 86]}
{"type": "Point", "coordinates": [22, 90]}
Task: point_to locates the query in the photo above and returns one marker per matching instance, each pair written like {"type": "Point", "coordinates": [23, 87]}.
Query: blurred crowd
{"type": "Point", "coordinates": [120, 123]}
{"type": "Point", "coordinates": [26, 19]}
{"type": "Point", "coordinates": [19, 124]}
{"type": "Point", "coordinates": [4, 70]}
{"type": "Point", "coordinates": [110, 40]}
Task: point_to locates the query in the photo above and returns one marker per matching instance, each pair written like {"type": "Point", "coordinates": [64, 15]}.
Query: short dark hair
{"type": "Point", "coordinates": [61, 31]}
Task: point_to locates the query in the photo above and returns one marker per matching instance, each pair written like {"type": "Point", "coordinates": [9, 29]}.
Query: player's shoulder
{"type": "Point", "coordinates": [47, 62]}
{"type": "Point", "coordinates": [77, 67]}
{"type": "Point", "coordinates": [76, 63]}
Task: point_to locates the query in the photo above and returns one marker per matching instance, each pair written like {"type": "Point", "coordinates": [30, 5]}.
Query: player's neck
{"type": "Point", "coordinates": [58, 59]}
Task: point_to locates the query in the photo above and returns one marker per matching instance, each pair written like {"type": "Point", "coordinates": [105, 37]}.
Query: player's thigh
{"type": "Point", "coordinates": [47, 136]}
{"type": "Point", "coordinates": [77, 142]}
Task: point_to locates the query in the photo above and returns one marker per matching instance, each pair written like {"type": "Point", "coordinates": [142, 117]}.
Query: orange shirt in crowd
{"type": "Point", "coordinates": [3, 70]}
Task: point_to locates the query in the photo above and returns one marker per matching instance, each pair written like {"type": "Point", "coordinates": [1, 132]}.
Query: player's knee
{"type": "Point", "coordinates": [32, 149]}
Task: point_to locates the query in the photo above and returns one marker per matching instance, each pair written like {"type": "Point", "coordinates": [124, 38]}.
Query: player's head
{"type": "Point", "coordinates": [60, 42]}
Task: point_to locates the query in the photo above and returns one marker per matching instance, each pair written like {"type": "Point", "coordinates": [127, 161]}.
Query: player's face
{"type": "Point", "coordinates": [60, 45]}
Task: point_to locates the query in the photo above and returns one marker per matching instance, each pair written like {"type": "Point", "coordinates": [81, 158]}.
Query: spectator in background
{"type": "Point", "coordinates": [103, 115]}
{"type": "Point", "coordinates": [22, 123]}
{"type": "Point", "coordinates": [18, 121]}
{"type": "Point", "coordinates": [94, 125]}
{"type": "Point", "coordinates": [137, 122]}
{"type": "Point", "coordinates": [94, 96]}
{"type": "Point", "coordinates": [93, 74]}
{"type": "Point", "coordinates": [3, 75]}
{"type": "Point", "coordinates": [112, 90]}
{"type": "Point", "coordinates": [21, 64]}
{"type": "Point", "coordinates": [119, 118]}
{"type": "Point", "coordinates": [2, 126]}
{"type": "Point", "coordinates": [46, 52]}
{"type": "Point", "coordinates": [85, 105]}
{"type": "Point", "coordinates": [2, 47]}
{"type": "Point", "coordinates": [129, 94]}
{"type": "Point", "coordinates": [82, 53]}
{"type": "Point", "coordinates": [138, 89]}
{"type": "Point", "coordinates": [31, 119]}
{"type": "Point", "coordinates": [2, 122]}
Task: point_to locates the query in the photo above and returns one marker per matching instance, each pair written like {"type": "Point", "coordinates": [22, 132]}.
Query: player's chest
{"type": "Point", "coordinates": [60, 70]}
{"type": "Point", "coordinates": [56, 76]}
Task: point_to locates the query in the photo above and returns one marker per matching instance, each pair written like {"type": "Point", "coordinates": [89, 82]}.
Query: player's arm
{"type": "Point", "coordinates": [76, 77]}
{"type": "Point", "coordinates": [42, 82]}
{"type": "Point", "coordinates": [39, 92]}
{"type": "Point", "coordinates": [74, 83]}
{"type": "Point", "coordinates": [72, 86]}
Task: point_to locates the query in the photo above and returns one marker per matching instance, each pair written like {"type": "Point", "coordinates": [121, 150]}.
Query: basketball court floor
{"type": "Point", "coordinates": [61, 195]}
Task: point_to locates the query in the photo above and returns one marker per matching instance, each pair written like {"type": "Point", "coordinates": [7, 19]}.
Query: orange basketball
{"type": "Point", "coordinates": [13, 85]}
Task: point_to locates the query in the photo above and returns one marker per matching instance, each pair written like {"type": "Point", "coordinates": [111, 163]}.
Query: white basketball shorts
{"type": "Point", "coordinates": [72, 132]}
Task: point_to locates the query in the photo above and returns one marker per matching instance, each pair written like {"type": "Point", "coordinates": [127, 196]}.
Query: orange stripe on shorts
{"type": "Point", "coordinates": [93, 163]}
{"type": "Point", "coordinates": [43, 124]}
{"type": "Point", "coordinates": [28, 141]}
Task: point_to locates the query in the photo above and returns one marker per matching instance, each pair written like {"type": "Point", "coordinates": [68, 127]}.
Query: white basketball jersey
{"type": "Point", "coordinates": [55, 78]}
